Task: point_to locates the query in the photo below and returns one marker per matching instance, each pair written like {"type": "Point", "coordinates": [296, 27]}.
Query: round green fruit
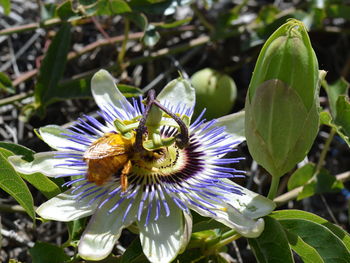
{"type": "Point", "coordinates": [214, 91]}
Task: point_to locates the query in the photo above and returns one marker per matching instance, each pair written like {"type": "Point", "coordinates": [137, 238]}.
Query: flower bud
{"type": "Point", "coordinates": [282, 101]}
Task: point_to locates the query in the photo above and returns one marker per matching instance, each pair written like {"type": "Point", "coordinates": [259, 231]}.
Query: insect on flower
{"type": "Point", "coordinates": [147, 165]}
{"type": "Point", "coordinates": [109, 155]}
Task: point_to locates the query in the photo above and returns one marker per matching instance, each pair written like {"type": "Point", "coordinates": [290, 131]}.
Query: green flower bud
{"type": "Point", "coordinates": [214, 91]}
{"type": "Point", "coordinates": [282, 116]}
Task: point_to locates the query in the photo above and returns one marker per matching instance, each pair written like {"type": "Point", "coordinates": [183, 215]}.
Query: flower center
{"type": "Point", "coordinates": [113, 155]}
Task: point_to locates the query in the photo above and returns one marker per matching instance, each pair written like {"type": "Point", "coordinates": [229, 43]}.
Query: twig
{"type": "Point", "coordinates": [122, 51]}
{"type": "Point", "coordinates": [15, 98]}
{"type": "Point", "coordinates": [13, 235]}
{"type": "Point", "coordinates": [329, 210]}
{"type": "Point", "coordinates": [291, 195]}
{"type": "Point", "coordinates": [238, 254]}
{"type": "Point", "coordinates": [28, 27]}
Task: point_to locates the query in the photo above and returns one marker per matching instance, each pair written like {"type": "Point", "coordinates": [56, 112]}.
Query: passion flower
{"type": "Point", "coordinates": [145, 165]}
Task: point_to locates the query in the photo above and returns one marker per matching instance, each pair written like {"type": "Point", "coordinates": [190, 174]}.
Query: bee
{"type": "Point", "coordinates": [108, 155]}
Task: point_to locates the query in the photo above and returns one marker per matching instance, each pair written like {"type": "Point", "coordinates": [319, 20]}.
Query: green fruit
{"type": "Point", "coordinates": [214, 91]}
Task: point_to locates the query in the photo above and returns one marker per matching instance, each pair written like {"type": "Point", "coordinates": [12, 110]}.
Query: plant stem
{"type": "Point", "coordinates": [273, 187]}
{"type": "Point", "coordinates": [201, 18]}
{"type": "Point", "coordinates": [122, 52]}
{"type": "Point", "coordinates": [291, 195]}
{"type": "Point", "coordinates": [227, 238]}
{"type": "Point", "coordinates": [324, 151]}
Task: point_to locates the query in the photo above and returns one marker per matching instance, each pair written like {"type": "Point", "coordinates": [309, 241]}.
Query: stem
{"type": "Point", "coordinates": [201, 18]}
{"type": "Point", "coordinates": [291, 195]}
{"type": "Point", "coordinates": [227, 238]}
{"type": "Point", "coordinates": [140, 60]}
{"type": "Point", "coordinates": [324, 151]}
{"type": "Point", "coordinates": [273, 187]}
{"type": "Point", "coordinates": [122, 52]}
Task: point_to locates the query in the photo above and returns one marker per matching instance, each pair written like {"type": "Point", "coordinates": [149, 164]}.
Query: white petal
{"type": "Point", "coordinates": [187, 232]}
{"type": "Point", "coordinates": [178, 92]}
{"type": "Point", "coordinates": [233, 218]}
{"type": "Point", "coordinates": [234, 124]}
{"type": "Point", "coordinates": [250, 204]}
{"type": "Point", "coordinates": [106, 93]}
{"type": "Point", "coordinates": [45, 163]}
{"type": "Point", "coordinates": [104, 230]}
{"type": "Point", "coordinates": [67, 206]}
{"type": "Point", "coordinates": [163, 239]}
{"type": "Point", "coordinates": [52, 135]}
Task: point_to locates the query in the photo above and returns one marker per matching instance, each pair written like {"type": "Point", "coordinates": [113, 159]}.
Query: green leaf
{"type": "Point", "coordinates": [45, 252]}
{"type": "Point", "coordinates": [339, 11]}
{"type": "Point", "coordinates": [65, 10]}
{"type": "Point", "coordinates": [38, 180]}
{"type": "Point", "coordinates": [12, 183]}
{"type": "Point", "coordinates": [320, 238]}
{"type": "Point", "coordinates": [323, 182]}
{"type": "Point", "coordinates": [301, 176]}
{"type": "Point", "coordinates": [138, 19]}
{"type": "Point", "coordinates": [47, 187]}
{"type": "Point", "coordinates": [343, 114]}
{"type": "Point", "coordinates": [272, 246]}
{"type": "Point", "coordinates": [71, 89]}
{"type": "Point", "coordinates": [133, 253]}
{"type": "Point", "coordinates": [6, 83]}
{"type": "Point", "coordinates": [174, 24]}
{"type": "Point", "coordinates": [111, 7]}
{"type": "Point", "coordinates": [298, 214]}
{"type": "Point", "coordinates": [75, 228]}
{"type": "Point", "coordinates": [326, 119]}
{"type": "Point", "coordinates": [6, 4]}
{"type": "Point", "coordinates": [307, 253]}
{"type": "Point", "coordinates": [52, 67]}
{"type": "Point", "coordinates": [18, 150]}
{"type": "Point", "coordinates": [47, 11]}
{"type": "Point", "coordinates": [340, 87]}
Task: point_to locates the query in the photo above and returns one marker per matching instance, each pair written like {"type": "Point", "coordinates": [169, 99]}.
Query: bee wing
{"type": "Point", "coordinates": [102, 150]}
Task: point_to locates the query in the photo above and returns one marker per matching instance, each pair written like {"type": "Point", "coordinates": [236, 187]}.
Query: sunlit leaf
{"type": "Point", "coordinates": [326, 119]}
{"type": "Point", "coordinates": [6, 4]}
{"type": "Point", "coordinates": [323, 182]}
{"type": "Point", "coordinates": [12, 183]}
{"type": "Point", "coordinates": [6, 83]}
{"type": "Point", "coordinates": [307, 253]}
{"type": "Point", "coordinates": [38, 180]}
{"type": "Point", "coordinates": [298, 214]}
{"type": "Point", "coordinates": [320, 238]}
{"type": "Point", "coordinates": [343, 114]}
{"type": "Point", "coordinates": [301, 176]}
{"type": "Point", "coordinates": [334, 90]}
